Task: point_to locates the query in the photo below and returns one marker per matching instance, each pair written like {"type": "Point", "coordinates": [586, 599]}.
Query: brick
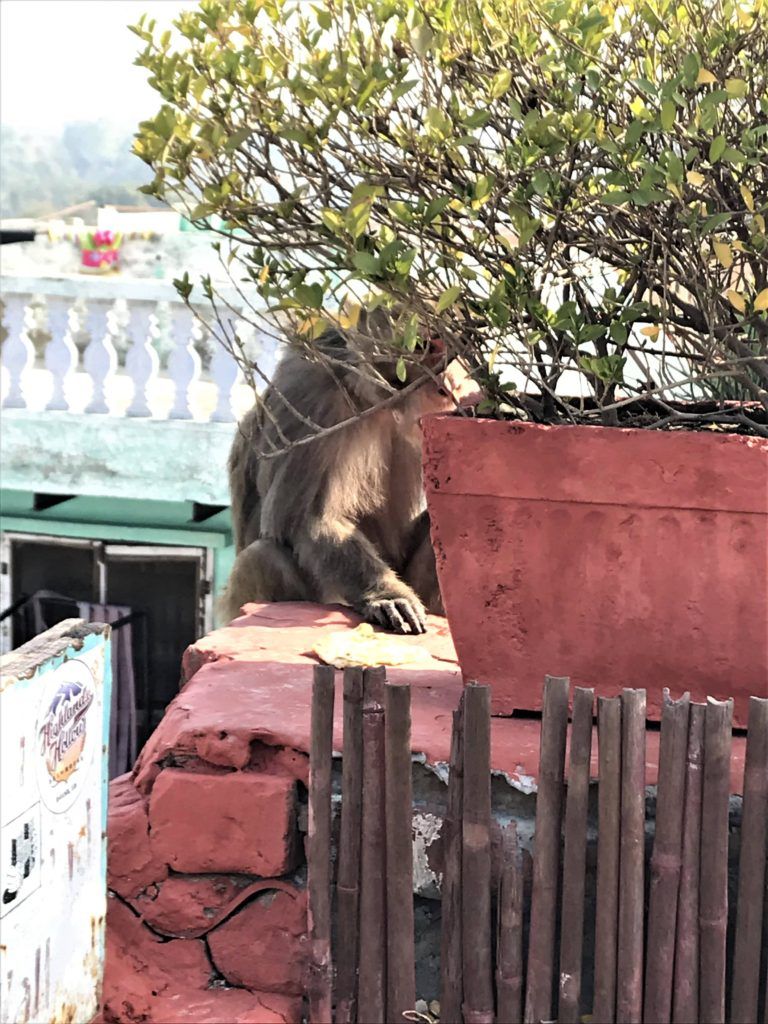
{"type": "Point", "coordinates": [241, 822]}
{"type": "Point", "coordinates": [224, 749]}
{"type": "Point", "coordinates": [140, 967]}
{"type": "Point", "coordinates": [230, 1006]}
{"type": "Point", "coordinates": [263, 945]}
{"type": "Point", "coordinates": [184, 905]}
{"type": "Point", "coordinates": [148, 981]}
{"type": "Point", "coordinates": [131, 863]}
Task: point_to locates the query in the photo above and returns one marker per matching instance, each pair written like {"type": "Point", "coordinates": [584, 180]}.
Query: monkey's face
{"type": "Point", "coordinates": [377, 343]}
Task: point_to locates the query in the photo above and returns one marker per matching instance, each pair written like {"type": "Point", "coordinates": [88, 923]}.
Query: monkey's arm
{"type": "Point", "coordinates": [346, 564]}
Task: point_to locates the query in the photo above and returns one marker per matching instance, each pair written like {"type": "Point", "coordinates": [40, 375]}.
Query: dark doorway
{"type": "Point", "coordinates": [164, 589]}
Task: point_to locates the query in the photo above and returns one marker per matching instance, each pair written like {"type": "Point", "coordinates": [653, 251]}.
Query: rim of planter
{"type": "Point", "coordinates": [704, 470]}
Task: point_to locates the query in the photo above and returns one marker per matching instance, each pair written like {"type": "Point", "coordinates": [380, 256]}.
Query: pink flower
{"type": "Point", "coordinates": [104, 238]}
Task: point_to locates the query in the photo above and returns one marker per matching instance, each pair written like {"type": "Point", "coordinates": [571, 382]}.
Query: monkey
{"type": "Point", "coordinates": [342, 519]}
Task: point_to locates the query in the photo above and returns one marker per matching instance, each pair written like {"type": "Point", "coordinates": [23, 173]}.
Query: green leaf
{"type": "Point", "coordinates": [310, 295]}
{"type": "Point", "coordinates": [668, 115]}
{"type": "Point", "coordinates": [715, 222]}
{"type": "Point", "coordinates": [448, 298]}
{"type": "Point", "coordinates": [616, 198]}
{"type": "Point", "coordinates": [486, 407]}
{"type": "Point", "coordinates": [645, 196]}
{"type": "Point", "coordinates": [183, 285]}
{"type": "Point", "coordinates": [592, 332]}
{"type": "Point", "coordinates": [403, 88]}
{"type": "Point", "coordinates": [238, 138]}
{"type": "Point", "coordinates": [295, 135]}
{"type": "Point", "coordinates": [438, 121]}
{"type": "Point", "coordinates": [717, 148]}
{"type": "Point", "coordinates": [411, 335]}
{"type": "Point", "coordinates": [365, 262]}
{"type": "Point", "coordinates": [675, 169]}
{"type": "Point", "coordinates": [403, 265]}
{"type": "Point", "coordinates": [483, 186]}
{"type": "Point", "coordinates": [634, 133]}
{"type": "Point", "coordinates": [645, 86]}
{"type": "Point", "coordinates": [736, 87]}
{"type": "Point", "coordinates": [541, 182]}
{"type": "Point", "coordinates": [527, 232]}
{"type": "Point", "coordinates": [366, 92]}
{"type": "Point", "coordinates": [422, 38]}
{"type": "Point", "coordinates": [389, 251]}
{"type": "Point", "coordinates": [401, 371]}
{"type": "Point", "coordinates": [202, 210]}
{"type": "Point", "coordinates": [356, 218]}
{"type": "Point", "coordinates": [500, 82]}
{"type": "Point", "coordinates": [691, 67]}
{"type": "Point", "coordinates": [477, 118]}
{"type": "Point", "coordinates": [364, 191]}
{"type": "Point", "coordinates": [333, 221]}
{"type": "Point", "coordinates": [618, 332]}
{"type": "Point", "coordinates": [435, 208]}
{"type": "Point", "coordinates": [401, 211]}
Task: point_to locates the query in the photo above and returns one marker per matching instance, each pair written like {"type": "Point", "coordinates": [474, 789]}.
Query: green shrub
{"type": "Point", "coordinates": [575, 194]}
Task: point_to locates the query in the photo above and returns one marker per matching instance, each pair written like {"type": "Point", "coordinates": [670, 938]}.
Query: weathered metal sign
{"type": "Point", "coordinates": [54, 708]}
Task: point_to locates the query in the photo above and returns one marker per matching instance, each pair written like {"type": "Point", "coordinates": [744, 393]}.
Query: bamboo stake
{"type": "Point", "coordinates": [575, 857]}
{"type": "Point", "coordinates": [476, 857]}
{"type": "Point", "coordinates": [348, 880]}
{"type": "Point", "coordinates": [608, 845]}
{"type": "Point", "coordinates": [752, 868]}
{"type": "Point", "coordinates": [629, 961]}
{"type": "Point", "coordinates": [685, 998]}
{"type": "Point", "coordinates": [713, 882]}
{"type": "Point", "coordinates": [371, 994]}
{"type": "Point", "coordinates": [451, 991]}
{"type": "Point", "coordinates": [509, 946]}
{"type": "Point", "coordinates": [666, 859]}
{"type": "Point", "coordinates": [319, 846]}
{"type": "Point", "coordinates": [401, 970]}
{"type": "Point", "coordinates": [546, 856]}
{"type": "Point", "coordinates": [374, 680]}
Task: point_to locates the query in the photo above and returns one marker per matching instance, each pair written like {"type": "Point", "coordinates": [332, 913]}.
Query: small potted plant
{"type": "Point", "coordinates": [99, 251]}
{"type": "Point", "coordinates": [575, 198]}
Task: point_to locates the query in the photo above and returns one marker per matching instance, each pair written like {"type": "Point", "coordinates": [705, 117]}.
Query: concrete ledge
{"type": "Point", "coordinates": [249, 684]}
{"type": "Point", "coordinates": [105, 456]}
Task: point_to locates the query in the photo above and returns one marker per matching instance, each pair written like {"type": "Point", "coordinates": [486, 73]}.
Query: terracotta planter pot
{"type": "Point", "coordinates": [616, 557]}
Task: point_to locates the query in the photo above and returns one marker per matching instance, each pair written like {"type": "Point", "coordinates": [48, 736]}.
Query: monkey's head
{"type": "Point", "coordinates": [372, 357]}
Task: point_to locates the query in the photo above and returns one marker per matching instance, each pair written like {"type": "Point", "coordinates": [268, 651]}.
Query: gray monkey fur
{"type": "Point", "coordinates": [341, 519]}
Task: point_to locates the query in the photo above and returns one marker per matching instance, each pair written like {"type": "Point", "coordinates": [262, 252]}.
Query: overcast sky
{"type": "Point", "coordinates": [72, 60]}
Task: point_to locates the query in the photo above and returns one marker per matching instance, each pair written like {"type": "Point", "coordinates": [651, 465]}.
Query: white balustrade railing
{"type": "Point", "coordinates": [126, 348]}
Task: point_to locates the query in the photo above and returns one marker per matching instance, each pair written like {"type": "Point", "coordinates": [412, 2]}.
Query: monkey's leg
{"type": "Point", "coordinates": [420, 570]}
{"type": "Point", "coordinates": [264, 571]}
{"type": "Point", "coordinates": [348, 568]}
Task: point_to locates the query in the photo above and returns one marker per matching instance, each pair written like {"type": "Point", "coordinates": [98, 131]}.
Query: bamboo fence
{"type": "Point", "coordinates": [669, 946]}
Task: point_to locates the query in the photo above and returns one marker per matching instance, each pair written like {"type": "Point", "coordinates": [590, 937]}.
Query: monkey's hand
{"type": "Point", "coordinates": [400, 614]}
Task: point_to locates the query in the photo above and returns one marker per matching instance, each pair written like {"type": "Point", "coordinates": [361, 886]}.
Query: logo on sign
{"type": "Point", "coordinates": [66, 734]}
{"type": "Point", "coordinates": [64, 728]}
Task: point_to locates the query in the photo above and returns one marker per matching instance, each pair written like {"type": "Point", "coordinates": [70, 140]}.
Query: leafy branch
{"type": "Point", "coordinates": [573, 195]}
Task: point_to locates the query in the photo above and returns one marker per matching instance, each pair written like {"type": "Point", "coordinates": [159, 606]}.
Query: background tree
{"type": "Point", "coordinates": [41, 173]}
{"type": "Point", "coordinates": [573, 193]}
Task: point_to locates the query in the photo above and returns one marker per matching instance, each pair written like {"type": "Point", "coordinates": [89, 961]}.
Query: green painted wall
{"type": "Point", "coordinates": [133, 481]}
